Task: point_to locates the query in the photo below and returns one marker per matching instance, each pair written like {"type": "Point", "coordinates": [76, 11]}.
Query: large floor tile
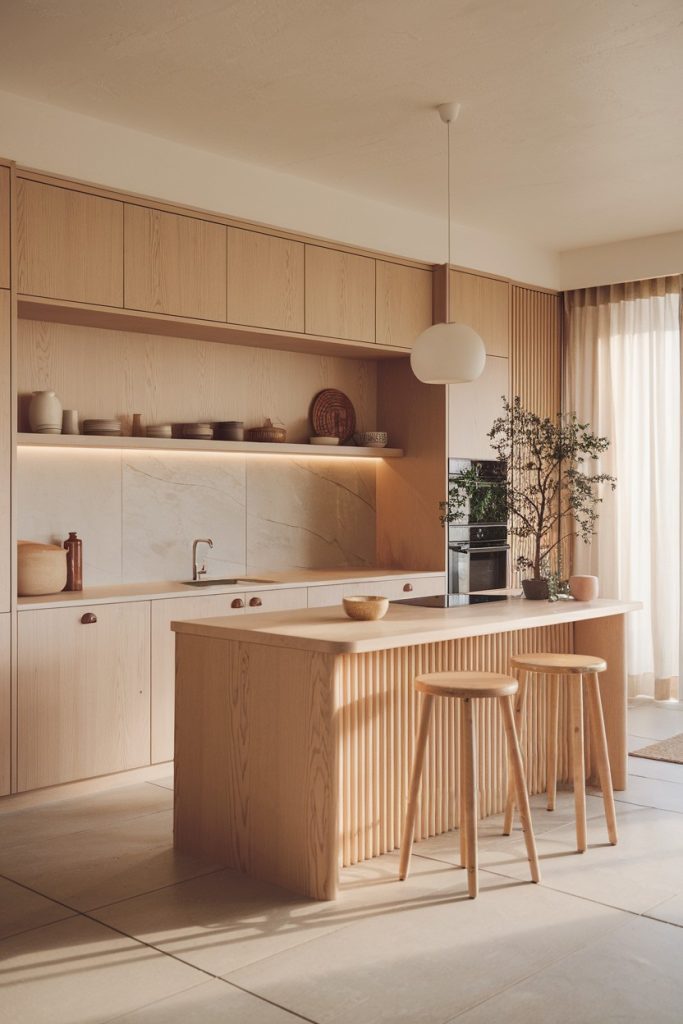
{"type": "Point", "coordinates": [216, 1002]}
{"type": "Point", "coordinates": [226, 920]}
{"type": "Point", "coordinates": [79, 972]}
{"type": "Point", "coordinates": [655, 720]}
{"type": "Point", "coordinates": [631, 976]}
{"type": "Point", "coordinates": [668, 796]}
{"type": "Point", "coordinates": [97, 867]}
{"type": "Point", "coordinates": [645, 767]}
{"type": "Point", "coordinates": [670, 911]}
{"type": "Point", "coordinates": [642, 870]}
{"type": "Point", "coordinates": [428, 963]}
{"type": "Point", "coordinates": [21, 909]}
{"type": "Point", "coordinates": [78, 814]}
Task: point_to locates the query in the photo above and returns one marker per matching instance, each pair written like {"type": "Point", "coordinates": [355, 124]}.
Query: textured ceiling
{"type": "Point", "coordinates": [571, 131]}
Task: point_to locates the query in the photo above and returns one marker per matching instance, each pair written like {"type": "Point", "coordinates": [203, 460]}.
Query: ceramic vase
{"type": "Point", "coordinates": [584, 588]}
{"type": "Point", "coordinates": [41, 569]}
{"type": "Point", "coordinates": [45, 413]}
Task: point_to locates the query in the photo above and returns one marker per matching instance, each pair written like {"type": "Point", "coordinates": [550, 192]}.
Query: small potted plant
{"type": "Point", "coordinates": [551, 493]}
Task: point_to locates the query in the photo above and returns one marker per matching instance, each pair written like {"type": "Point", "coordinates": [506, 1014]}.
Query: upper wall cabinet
{"type": "Point", "coordinates": [484, 304]}
{"type": "Point", "coordinates": [69, 244]}
{"type": "Point", "coordinates": [404, 303]}
{"type": "Point", "coordinates": [6, 411]}
{"type": "Point", "coordinates": [174, 264]}
{"type": "Point", "coordinates": [265, 281]}
{"type": "Point", "coordinates": [4, 228]}
{"type": "Point", "coordinates": [340, 294]}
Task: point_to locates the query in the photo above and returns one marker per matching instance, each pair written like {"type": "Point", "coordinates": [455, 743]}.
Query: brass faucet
{"type": "Point", "coordinates": [196, 571]}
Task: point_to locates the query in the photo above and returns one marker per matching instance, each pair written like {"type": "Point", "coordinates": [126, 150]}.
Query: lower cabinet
{"type": "Point", "coordinates": [402, 586]}
{"type": "Point", "coordinates": [4, 704]}
{"type": "Point", "coordinates": [83, 692]}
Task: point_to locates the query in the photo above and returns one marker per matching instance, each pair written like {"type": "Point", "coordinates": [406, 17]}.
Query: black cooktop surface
{"type": "Point", "coordinates": [450, 600]}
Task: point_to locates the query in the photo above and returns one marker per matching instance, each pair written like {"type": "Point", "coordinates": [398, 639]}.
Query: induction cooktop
{"type": "Point", "coordinates": [450, 600]}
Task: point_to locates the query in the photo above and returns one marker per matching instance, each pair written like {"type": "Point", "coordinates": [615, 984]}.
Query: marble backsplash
{"type": "Point", "coordinates": [138, 512]}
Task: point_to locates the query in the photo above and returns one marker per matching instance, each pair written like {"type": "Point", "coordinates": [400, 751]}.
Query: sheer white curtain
{"type": "Point", "coordinates": [622, 350]}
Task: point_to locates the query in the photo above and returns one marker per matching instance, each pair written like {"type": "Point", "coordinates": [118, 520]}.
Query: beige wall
{"type": "Point", "coordinates": [633, 259]}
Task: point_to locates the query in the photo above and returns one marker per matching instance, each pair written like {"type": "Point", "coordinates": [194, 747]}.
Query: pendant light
{"type": "Point", "coordinates": [448, 353]}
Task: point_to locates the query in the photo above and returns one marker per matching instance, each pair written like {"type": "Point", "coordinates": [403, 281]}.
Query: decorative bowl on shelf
{"type": "Point", "coordinates": [229, 430]}
{"type": "Point", "coordinates": [102, 428]}
{"type": "Point", "coordinates": [159, 430]}
{"type": "Point", "coordinates": [366, 607]}
{"type": "Point", "coordinates": [198, 431]}
{"type": "Point", "coordinates": [371, 439]}
{"type": "Point", "coordinates": [267, 434]}
{"type": "Point", "coordinates": [324, 440]}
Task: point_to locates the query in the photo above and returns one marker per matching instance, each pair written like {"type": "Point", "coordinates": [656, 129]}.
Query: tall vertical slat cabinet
{"type": "Point", "coordinates": [6, 405]}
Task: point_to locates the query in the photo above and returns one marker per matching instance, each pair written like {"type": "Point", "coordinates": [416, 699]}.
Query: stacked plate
{"type": "Point", "coordinates": [198, 431]}
{"type": "Point", "coordinates": [105, 428]}
{"type": "Point", "coordinates": [159, 430]}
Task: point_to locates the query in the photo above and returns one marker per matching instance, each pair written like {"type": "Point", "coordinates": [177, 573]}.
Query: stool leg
{"type": "Point", "coordinates": [576, 721]}
{"type": "Point", "coordinates": [462, 789]}
{"type": "Point", "coordinates": [551, 745]}
{"type": "Point", "coordinates": [517, 769]}
{"type": "Point", "coordinates": [520, 705]}
{"type": "Point", "coordinates": [418, 763]}
{"type": "Point", "coordinates": [470, 798]}
{"type": "Point", "coordinates": [597, 723]}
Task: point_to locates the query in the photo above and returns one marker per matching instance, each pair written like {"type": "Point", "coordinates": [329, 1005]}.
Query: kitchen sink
{"type": "Point", "coordinates": [234, 582]}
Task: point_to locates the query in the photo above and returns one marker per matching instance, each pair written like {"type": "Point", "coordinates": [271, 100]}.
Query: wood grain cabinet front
{"type": "Point", "coordinates": [69, 244]}
{"type": "Point", "coordinates": [83, 692]}
{"type": "Point", "coordinates": [484, 304]}
{"type": "Point", "coordinates": [404, 303]}
{"type": "Point", "coordinates": [4, 227]}
{"type": "Point", "coordinates": [4, 704]}
{"type": "Point", "coordinates": [164, 612]}
{"type": "Point", "coordinates": [174, 264]}
{"type": "Point", "coordinates": [265, 281]}
{"type": "Point", "coordinates": [340, 294]}
{"type": "Point", "coordinates": [6, 408]}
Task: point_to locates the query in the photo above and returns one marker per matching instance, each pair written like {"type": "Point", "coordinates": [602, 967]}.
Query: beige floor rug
{"type": "Point", "coordinates": [664, 750]}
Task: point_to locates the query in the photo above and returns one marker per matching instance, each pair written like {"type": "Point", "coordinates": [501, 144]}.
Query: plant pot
{"type": "Point", "coordinates": [535, 590]}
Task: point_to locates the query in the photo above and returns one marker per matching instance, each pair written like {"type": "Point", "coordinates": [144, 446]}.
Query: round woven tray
{"type": "Point", "coordinates": [333, 415]}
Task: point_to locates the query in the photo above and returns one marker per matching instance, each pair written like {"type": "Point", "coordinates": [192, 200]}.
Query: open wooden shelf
{"type": "Point", "coordinates": [182, 445]}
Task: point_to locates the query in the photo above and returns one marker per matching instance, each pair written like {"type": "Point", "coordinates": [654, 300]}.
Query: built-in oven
{"type": "Point", "coordinates": [478, 539]}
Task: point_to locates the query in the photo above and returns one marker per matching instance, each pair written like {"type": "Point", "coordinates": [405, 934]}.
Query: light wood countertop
{"type": "Point", "coordinates": [328, 630]}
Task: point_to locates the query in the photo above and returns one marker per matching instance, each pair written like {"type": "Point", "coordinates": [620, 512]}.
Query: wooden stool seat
{"type": "Point", "coordinates": [466, 687]}
{"type": "Point", "coordinates": [466, 684]}
{"type": "Point", "coordinates": [581, 672]}
{"type": "Point", "coordinates": [559, 664]}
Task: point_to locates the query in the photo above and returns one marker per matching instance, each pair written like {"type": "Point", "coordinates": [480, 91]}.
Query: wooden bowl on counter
{"type": "Point", "coordinates": [366, 607]}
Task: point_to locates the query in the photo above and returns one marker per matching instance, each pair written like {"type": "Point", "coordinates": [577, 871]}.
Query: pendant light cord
{"type": "Point", "coordinates": [448, 193]}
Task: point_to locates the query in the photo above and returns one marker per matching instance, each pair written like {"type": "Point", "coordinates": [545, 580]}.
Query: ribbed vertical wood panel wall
{"type": "Point", "coordinates": [378, 721]}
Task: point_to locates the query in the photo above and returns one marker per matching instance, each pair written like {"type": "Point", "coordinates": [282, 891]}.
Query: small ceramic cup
{"type": "Point", "coordinates": [70, 421]}
{"type": "Point", "coordinates": [584, 588]}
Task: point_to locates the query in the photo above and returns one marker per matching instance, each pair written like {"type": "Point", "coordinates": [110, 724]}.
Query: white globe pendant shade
{"type": "Point", "coordinates": [448, 354]}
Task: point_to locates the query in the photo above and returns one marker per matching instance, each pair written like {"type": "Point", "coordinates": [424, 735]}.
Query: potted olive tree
{"type": "Point", "coordinates": [551, 489]}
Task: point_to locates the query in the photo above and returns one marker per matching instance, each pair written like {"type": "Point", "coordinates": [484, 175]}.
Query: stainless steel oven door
{"type": "Point", "coordinates": [471, 569]}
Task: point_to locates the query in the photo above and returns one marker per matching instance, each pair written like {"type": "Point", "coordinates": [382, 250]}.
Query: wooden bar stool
{"type": "Point", "coordinates": [578, 670]}
{"type": "Point", "coordinates": [466, 687]}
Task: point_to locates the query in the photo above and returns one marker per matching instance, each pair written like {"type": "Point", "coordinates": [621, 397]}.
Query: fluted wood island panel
{"type": "Point", "coordinates": [294, 731]}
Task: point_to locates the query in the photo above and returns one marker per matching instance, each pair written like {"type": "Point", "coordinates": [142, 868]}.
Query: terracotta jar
{"type": "Point", "coordinates": [41, 568]}
{"type": "Point", "coordinates": [584, 588]}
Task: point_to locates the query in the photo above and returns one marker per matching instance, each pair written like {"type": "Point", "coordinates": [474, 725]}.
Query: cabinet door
{"type": "Point", "coordinates": [340, 294]}
{"type": "Point", "coordinates": [404, 303]}
{"type": "Point", "coordinates": [277, 600]}
{"type": "Point", "coordinates": [6, 412]}
{"type": "Point", "coordinates": [4, 228]}
{"type": "Point", "coordinates": [83, 693]}
{"type": "Point", "coordinates": [473, 407]}
{"type": "Point", "coordinates": [4, 704]}
{"type": "Point", "coordinates": [484, 304]}
{"type": "Point", "coordinates": [163, 658]}
{"type": "Point", "coordinates": [265, 281]}
{"type": "Point", "coordinates": [69, 244]}
{"type": "Point", "coordinates": [174, 264]}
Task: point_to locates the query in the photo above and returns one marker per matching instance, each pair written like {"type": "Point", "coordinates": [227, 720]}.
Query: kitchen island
{"type": "Point", "coordinates": [294, 730]}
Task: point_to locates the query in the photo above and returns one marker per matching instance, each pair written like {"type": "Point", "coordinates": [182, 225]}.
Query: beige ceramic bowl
{"type": "Point", "coordinates": [366, 606]}
{"type": "Point", "coordinates": [41, 568]}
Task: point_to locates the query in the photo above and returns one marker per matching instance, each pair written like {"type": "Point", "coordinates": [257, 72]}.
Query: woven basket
{"type": "Point", "coordinates": [267, 434]}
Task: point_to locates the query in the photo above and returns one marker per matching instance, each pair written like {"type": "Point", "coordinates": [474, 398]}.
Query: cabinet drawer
{"type": "Point", "coordinates": [277, 600]}
{"type": "Point", "coordinates": [403, 586]}
{"type": "Point", "coordinates": [69, 244]}
{"type": "Point", "coordinates": [165, 612]}
{"type": "Point", "coordinates": [83, 692]}
{"type": "Point", "coordinates": [175, 264]}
